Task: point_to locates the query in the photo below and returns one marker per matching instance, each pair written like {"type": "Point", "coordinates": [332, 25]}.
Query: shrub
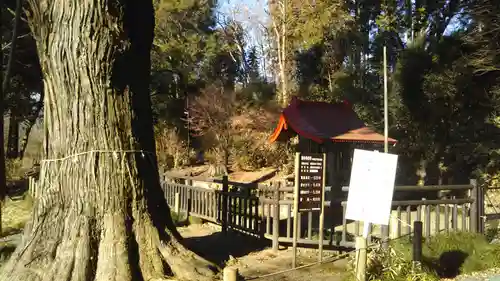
{"type": "Point", "coordinates": [252, 154]}
{"type": "Point", "coordinates": [444, 255]}
{"type": "Point", "coordinates": [211, 113]}
{"type": "Point", "coordinates": [252, 149]}
{"type": "Point", "coordinates": [392, 265]}
{"type": "Point", "coordinates": [477, 252]}
{"type": "Point", "coordinates": [171, 150]}
{"type": "Point", "coordinates": [14, 169]}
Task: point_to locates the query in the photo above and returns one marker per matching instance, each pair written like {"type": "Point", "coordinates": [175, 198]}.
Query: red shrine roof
{"type": "Point", "coordinates": [321, 121]}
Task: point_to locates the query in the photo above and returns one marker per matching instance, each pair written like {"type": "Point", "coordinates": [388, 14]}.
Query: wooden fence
{"type": "Point", "coordinates": [237, 209]}
{"type": "Point", "coordinates": [266, 211]}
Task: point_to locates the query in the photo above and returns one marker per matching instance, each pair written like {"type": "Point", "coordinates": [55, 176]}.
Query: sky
{"type": "Point", "coordinates": [255, 6]}
{"type": "Point", "coordinates": [249, 12]}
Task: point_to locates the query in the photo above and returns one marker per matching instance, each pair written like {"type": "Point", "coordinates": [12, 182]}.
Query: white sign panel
{"type": "Point", "coordinates": [371, 186]}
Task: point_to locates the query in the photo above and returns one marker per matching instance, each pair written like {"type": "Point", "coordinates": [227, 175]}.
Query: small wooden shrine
{"type": "Point", "coordinates": [331, 128]}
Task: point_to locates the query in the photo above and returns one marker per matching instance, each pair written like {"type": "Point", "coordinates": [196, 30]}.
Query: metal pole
{"type": "Point", "coordinates": [385, 228]}
{"type": "Point", "coordinates": [295, 210]}
{"type": "Point", "coordinates": [322, 214]}
{"type": "Point", "coordinates": [386, 117]}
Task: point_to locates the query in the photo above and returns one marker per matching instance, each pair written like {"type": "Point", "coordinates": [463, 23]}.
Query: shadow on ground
{"type": "Point", "coordinates": [448, 265]}
{"type": "Point", "coordinates": [218, 247]}
{"type": "Point", "coordinates": [5, 252]}
{"type": "Point", "coordinates": [17, 188]}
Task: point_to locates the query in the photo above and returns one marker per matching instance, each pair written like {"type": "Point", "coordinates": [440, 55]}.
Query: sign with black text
{"type": "Point", "coordinates": [310, 181]}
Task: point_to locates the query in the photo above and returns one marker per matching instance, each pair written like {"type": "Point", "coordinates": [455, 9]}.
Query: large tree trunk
{"type": "Point", "coordinates": [101, 214]}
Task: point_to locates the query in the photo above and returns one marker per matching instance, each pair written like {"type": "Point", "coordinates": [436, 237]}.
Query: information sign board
{"type": "Point", "coordinates": [310, 181]}
{"type": "Point", "coordinates": [371, 187]}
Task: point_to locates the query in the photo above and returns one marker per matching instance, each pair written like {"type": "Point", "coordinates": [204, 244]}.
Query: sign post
{"type": "Point", "coordinates": [322, 213]}
{"type": "Point", "coordinates": [309, 193]}
{"type": "Point", "coordinates": [295, 210]}
{"type": "Point", "coordinates": [369, 200]}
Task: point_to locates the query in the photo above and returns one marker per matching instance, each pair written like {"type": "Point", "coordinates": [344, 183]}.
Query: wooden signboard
{"type": "Point", "coordinates": [309, 194]}
{"type": "Point", "coordinates": [310, 181]}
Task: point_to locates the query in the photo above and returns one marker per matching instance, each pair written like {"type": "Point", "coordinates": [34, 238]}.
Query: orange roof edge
{"type": "Point", "coordinates": [277, 131]}
{"type": "Point", "coordinates": [282, 124]}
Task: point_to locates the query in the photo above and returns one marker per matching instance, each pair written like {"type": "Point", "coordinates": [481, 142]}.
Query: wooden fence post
{"type": "Point", "coordinates": [188, 198]}
{"type": "Point", "coordinates": [276, 218]}
{"type": "Point", "coordinates": [474, 215]}
{"type": "Point", "coordinates": [477, 207]}
{"type": "Point", "coordinates": [177, 203]}
{"type": "Point", "coordinates": [225, 213]}
{"type": "Point", "coordinates": [417, 242]}
{"type": "Point", "coordinates": [481, 214]}
{"type": "Point", "coordinates": [33, 187]}
{"type": "Point", "coordinates": [385, 236]}
{"type": "Point", "coordinates": [230, 274]}
{"type": "Point", "coordinates": [361, 258]}
{"type": "Point", "coordinates": [30, 187]}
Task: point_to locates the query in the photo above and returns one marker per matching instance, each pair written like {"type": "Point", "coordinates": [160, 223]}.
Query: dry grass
{"type": "Point", "coordinates": [172, 151]}
{"type": "Point", "coordinates": [15, 213]}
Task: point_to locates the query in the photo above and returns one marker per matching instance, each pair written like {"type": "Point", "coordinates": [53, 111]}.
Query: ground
{"type": "Point", "coordinates": [253, 257]}
{"type": "Point", "coordinates": [255, 260]}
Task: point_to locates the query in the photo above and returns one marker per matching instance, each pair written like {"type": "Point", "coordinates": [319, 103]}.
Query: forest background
{"type": "Point", "coordinates": [223, 70]}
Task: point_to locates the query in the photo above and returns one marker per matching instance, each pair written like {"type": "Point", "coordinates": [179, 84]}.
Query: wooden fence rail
{"type": "Point", "coordinates": [266, 211]}
{"type": "Point", "coordinates": [233, 210]}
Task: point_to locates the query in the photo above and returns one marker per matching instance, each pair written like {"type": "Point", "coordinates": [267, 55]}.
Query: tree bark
{"type": "Point", "coordinates": [101, 214]}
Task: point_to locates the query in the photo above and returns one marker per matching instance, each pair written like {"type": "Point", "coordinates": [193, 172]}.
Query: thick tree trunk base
{"type": "Point", "coordinates": [100, 214]}
{"type": "Point", "coordinates": [65, 245]}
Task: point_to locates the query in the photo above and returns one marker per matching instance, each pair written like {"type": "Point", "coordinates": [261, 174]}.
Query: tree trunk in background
{"type": "Point", "coordinates": [278, 13]}
{"type": "Point", "coordinates": [101, 214]}
{"type": "Point", "coordinates": [31, 121]}
{"type": "Point", "coordinates": [5, 84]}
{"type": "Point", "coordinates": [13, 136]}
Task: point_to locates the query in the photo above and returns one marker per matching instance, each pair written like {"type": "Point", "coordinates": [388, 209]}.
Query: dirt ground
{"type": "Point", "coordinates": [254, 258]}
